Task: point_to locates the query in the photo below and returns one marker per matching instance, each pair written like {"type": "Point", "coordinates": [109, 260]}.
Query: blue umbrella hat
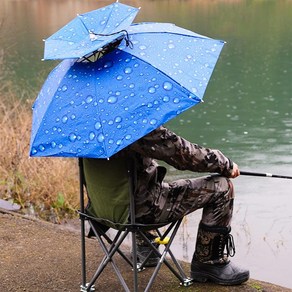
{"type": "Point", "coordinates": [95, 109]}
{"type": "Point", "coordinates": [90, 32]}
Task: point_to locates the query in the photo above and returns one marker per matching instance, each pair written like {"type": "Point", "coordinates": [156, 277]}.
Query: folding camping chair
{"type": "Point", "coordinates": [111, 244]}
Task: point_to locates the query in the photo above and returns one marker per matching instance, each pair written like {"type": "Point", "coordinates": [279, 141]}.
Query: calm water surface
{"type": "Point", "coordinates": [247, 111]}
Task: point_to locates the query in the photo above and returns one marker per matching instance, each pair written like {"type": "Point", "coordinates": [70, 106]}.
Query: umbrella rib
{"type": "Point", "coordinates": [125, 18]}
{"type": "Point", "coordinates": [80, 18]}
{"type": "Point", "coordinates": [183, 87]}
{"type": "Point", "coordinates": [172, 32]}
{"type": "Point", "coordinates": [108, 18]}
{"type": "Point", "coordinates": [100, 121]}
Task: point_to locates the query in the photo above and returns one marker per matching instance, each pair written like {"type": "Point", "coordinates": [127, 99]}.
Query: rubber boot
{"type": "Point", "coordinates": [143, 250]}
{"type": "Point", "coordinates": [210, 261]}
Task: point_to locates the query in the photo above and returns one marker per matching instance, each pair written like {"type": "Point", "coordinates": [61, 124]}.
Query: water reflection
{"type": "Point", "coordinates": [246, 114]}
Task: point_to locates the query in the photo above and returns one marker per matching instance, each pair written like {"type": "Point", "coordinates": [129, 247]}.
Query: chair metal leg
{"type": "Point", "coordinates": [83, 251]}
{"type": "Point", "coordinates": [82, 222]}
{"type": "Point", "coordinates": [181, 276]}
{"type": "Point", "coordinates": [134, 258]}
{"type": "Point", "coordinates": [112, 246]}
{"type": "Point", "coordinates": [100, 233]}
{"type": "Point", "coordinates": [86, 288]}
{"type": "Point", "coordinates": [109, 258]}
{"type": "Point", "coordinates": [178, 272]}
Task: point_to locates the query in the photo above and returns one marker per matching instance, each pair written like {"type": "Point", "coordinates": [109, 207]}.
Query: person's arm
{"type": "Point", "coordinates": [165, 145]}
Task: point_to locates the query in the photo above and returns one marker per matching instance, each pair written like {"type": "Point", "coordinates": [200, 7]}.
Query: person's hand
{"type": "Point", "coordinates": [235, 171]}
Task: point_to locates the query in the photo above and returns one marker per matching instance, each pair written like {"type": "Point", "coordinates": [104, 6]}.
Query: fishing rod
{"type": "Point", "coordinates": [264, 174]}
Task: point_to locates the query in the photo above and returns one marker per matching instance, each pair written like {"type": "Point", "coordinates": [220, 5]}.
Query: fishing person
{"type": "Point", "coordinates": [158, 201]}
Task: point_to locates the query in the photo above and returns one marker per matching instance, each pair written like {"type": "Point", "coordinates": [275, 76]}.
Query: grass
{"type": "Point", "coordinates": [46, 186]}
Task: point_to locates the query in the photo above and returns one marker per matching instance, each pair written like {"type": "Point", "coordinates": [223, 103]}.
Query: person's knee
{"type": "Point", "coordinates": [230, 191]}
{"type": "Point", "coordinates": [225, 186]}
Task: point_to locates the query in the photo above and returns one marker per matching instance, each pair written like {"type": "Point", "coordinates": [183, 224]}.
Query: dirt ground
{"type": "Point", "coordinates": [40, 256]}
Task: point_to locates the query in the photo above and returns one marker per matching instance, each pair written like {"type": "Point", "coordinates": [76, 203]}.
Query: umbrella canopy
{"type": "Point", "coordinates": [95, 109]}
{"type": "Point", "coordinates": [90, 32]}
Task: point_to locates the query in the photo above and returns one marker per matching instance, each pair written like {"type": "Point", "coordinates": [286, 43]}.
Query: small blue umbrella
{"type": "Point", "coordinates": [95, 109]}
{"type": "Point", "coordinates": [90, 32]}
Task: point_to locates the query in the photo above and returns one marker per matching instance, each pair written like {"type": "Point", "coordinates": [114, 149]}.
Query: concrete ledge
{"type": "Point", "coordinates": [40, 256]}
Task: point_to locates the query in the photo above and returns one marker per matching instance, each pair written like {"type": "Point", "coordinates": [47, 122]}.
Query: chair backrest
{"type": "Point", "coordinates": [107, 186]}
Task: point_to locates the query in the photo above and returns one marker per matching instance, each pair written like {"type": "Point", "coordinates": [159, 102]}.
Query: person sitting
{"type": "Point", "coordinates": [158, 201]}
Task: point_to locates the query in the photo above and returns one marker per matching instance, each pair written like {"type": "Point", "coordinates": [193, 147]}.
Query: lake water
{"type": "Point", "coordinates": [247, 111]}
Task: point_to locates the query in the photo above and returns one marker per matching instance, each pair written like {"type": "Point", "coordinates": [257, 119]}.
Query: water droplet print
{"type": "Point", "coordinates": [42, 148]}
{"type": "Point", "coordinates": [118, 119]}
{"type": "Point", "coordinates": [72, 137]}
{"type": "Point", "coordinates": [97, 125]}
{"type": "Point", "coordinates": [64, 119]}
{"type": "Point", "coordinates": [108, 64]}
{"type": "Point", "coordinates": [100, 138]}
{"type": "Point", "coordinates": [171, 46]}
{"type": "Point", "coordinates": [128, 70]}
{"type": "Point", "coordinates": [112, 99]}
{"type": "Point", "coordinates": [89, 99]}
{"type": "Point", "coordinates": [151, 90]}
{"type": "Point", "coordinates": [167, 86]}
{"type": "Point", "coordinates": [166, 99]}
{"type": "Point", "coordinates": [91, 136]}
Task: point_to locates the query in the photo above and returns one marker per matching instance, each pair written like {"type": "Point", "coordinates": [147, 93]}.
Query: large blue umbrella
{"type": "Point", "coordinates": [95, 109]}
{"type": "Point", "coordinates": [90, 32]}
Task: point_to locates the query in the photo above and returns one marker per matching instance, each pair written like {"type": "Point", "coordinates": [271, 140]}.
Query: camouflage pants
{"type": "Point", "coordinates": [174, 200]}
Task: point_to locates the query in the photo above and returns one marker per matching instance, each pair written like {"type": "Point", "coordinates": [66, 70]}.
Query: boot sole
{"type": "Point", "coordinates": [151, 262]}
{"type": "Point", "coordinates": [203, 278]}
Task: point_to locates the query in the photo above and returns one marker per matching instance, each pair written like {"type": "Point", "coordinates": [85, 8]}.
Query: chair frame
{"type": "Point", "coordinates": [111, 246]}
